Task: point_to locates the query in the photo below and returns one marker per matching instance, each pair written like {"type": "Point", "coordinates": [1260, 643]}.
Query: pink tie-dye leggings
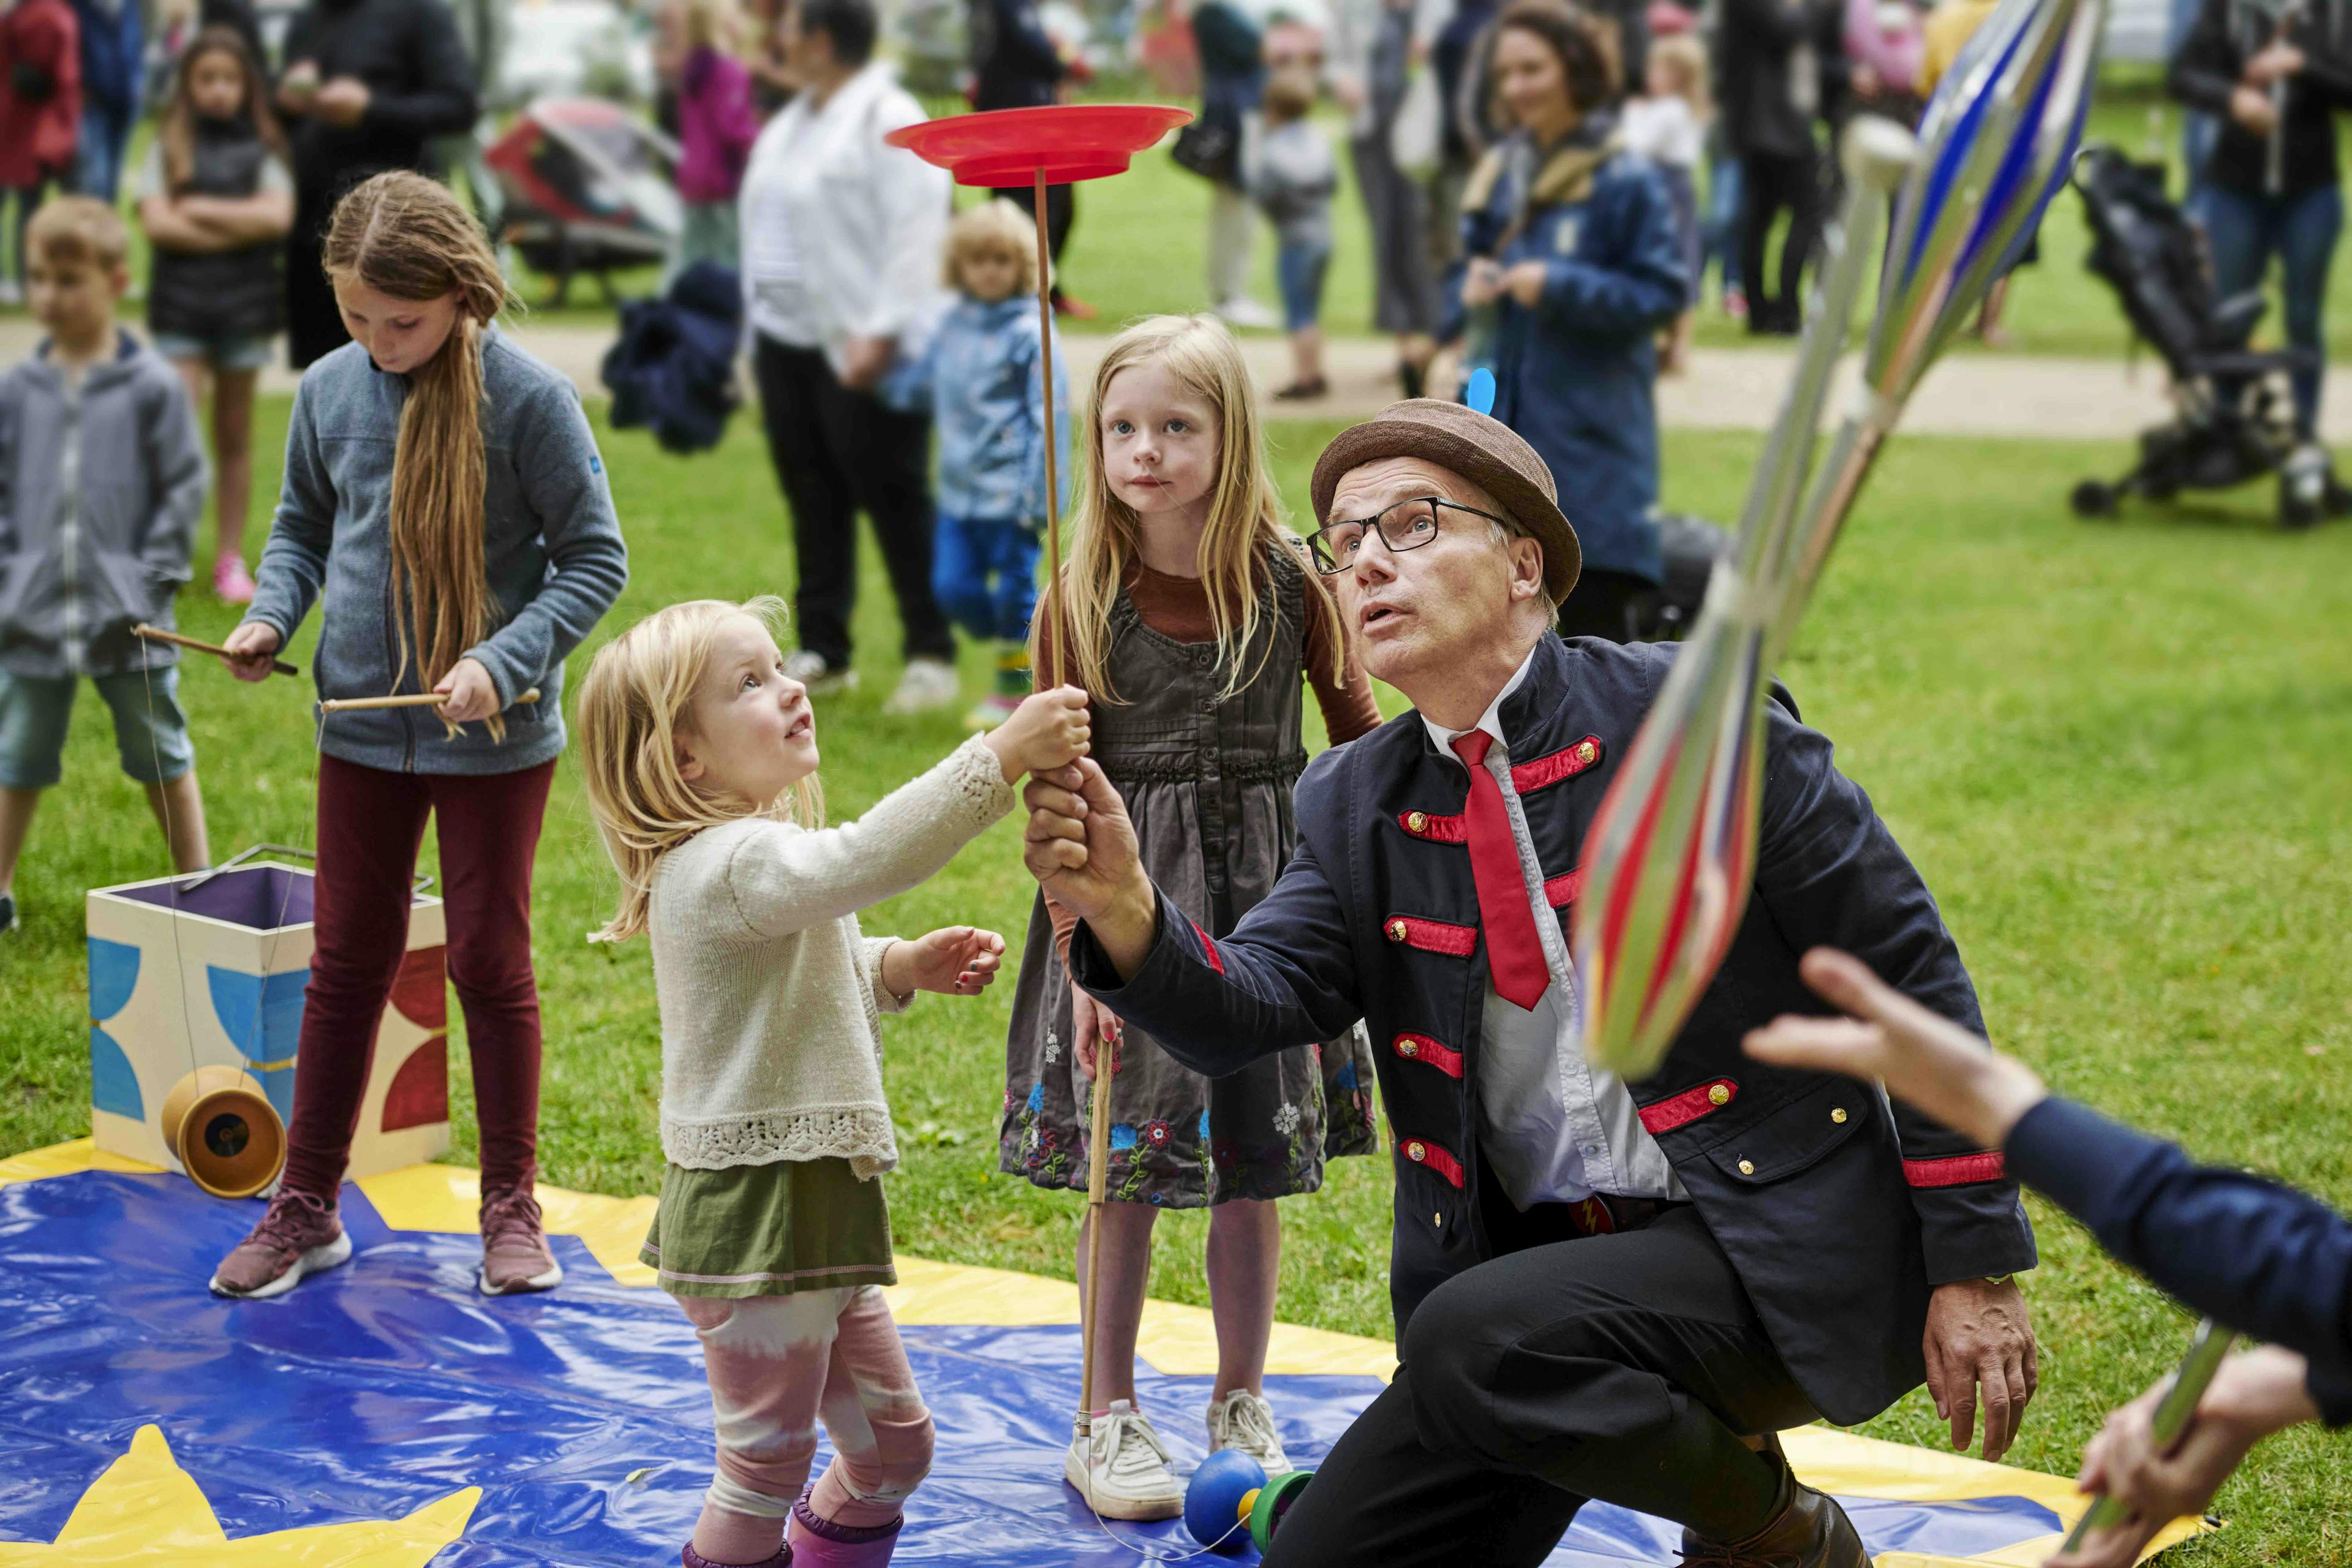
{"type": "Point", "coordinates": [776, 1364]}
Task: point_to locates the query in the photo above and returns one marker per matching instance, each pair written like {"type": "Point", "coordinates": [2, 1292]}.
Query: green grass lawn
{"type": "Point", "coordinates": [2116, 752]}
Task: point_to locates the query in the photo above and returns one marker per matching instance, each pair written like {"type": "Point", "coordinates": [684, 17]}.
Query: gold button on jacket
{"type": "Point", "coordinates": [1746, 1168]}
{"type": "Point", "coordinates": [1718, 1095]}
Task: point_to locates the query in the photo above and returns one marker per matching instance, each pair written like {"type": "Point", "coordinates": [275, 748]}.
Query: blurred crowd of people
{"type": "Point", "coordinates": [1552, 189]}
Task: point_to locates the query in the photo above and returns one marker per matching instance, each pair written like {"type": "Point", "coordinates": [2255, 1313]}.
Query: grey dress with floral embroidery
{"type": "Point", "coordinates": [1207, 782]}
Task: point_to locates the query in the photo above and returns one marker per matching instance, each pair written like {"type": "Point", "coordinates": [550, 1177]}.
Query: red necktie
{"type": "Point", "coordinates": [1515, 957]}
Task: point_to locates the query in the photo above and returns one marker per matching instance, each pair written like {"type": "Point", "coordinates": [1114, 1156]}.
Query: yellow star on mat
{"type": "Point", "coordinates": [146, 1510]}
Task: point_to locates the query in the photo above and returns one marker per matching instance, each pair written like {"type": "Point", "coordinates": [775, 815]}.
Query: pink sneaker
{"type": "Point", "coordinates": [232, 583]}
{"type": "Point", "coordinates": [298, 1236]}
{"type": "Point", "coordinates": [515, 1255]}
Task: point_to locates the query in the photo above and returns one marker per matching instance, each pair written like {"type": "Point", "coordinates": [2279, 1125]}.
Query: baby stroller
{"type": "Point", "coordinates": [2236, 419]}
{"type": "Point", "coordinates": [588, 189]}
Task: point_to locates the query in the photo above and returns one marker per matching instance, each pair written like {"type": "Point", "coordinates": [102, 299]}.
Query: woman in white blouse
{"type": "Point", "coordinates": [840, 258]}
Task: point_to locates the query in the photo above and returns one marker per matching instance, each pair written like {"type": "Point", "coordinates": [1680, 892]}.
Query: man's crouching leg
{"type": "Point", "coordinates": [1627, 1368]}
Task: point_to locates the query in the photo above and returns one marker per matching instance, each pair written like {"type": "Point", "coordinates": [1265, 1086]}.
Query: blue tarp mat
{"type": "Point", "coordinates": [389, 1383]}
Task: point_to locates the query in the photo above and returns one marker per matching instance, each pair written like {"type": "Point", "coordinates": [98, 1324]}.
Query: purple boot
{"type": "Point", "coordinates": [690, 1558]}
{"type": "Point", "coordinates": [816, 1542]}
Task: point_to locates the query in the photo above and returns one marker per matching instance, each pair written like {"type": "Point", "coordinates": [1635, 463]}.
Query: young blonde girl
{"type": "Point", "coordinates": [217, 198]}
{"type": "Point", "coordinates": [700, 754]}
{"type": "Point", "coordinates": [444, 499]}
{"type": "Point", "coordinates": [1190, 618]}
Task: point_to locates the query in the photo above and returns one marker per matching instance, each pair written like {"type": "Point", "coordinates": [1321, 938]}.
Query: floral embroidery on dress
{"type": "Point", "coordinates": [1286, 1120]}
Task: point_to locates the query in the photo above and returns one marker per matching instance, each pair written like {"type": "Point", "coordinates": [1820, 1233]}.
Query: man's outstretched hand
{"type": "Point", "coordinates": [1081, 848]}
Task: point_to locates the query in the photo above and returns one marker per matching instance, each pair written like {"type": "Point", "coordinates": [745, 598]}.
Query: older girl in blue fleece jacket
{"type": "Point", "coordinates": [443, 496]}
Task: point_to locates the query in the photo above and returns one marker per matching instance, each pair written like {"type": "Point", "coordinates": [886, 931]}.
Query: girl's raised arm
{"type": "Point", "coordinates": [782, 880]}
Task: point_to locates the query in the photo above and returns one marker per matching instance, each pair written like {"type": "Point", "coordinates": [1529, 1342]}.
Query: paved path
{"type": "Point", "coordinates": [1725, 389]}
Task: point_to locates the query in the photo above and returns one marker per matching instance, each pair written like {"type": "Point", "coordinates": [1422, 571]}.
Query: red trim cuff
{"type": "Point", "coordinates": [1958, 1171]}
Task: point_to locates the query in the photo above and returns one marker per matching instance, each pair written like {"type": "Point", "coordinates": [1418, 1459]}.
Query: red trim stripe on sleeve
{"type": "Point", "coordinates": [1956, 1170]}
{"type": "Point", "coordinates": [1215, 962]}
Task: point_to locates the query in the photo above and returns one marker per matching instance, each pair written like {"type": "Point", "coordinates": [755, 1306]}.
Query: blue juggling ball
{"type": "Point", "coordinates": [1214, 1508]}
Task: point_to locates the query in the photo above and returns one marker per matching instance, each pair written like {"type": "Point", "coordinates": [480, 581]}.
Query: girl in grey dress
{"type": "Point", "coordinates": [1196, 622]}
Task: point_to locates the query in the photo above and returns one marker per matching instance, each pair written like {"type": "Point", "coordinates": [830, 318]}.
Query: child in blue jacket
{"type": "Point", "coordinates": [982, 377]}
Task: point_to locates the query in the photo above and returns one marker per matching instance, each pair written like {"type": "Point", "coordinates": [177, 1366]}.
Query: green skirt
{"type": "Point", "coordinates": [769, 1230]}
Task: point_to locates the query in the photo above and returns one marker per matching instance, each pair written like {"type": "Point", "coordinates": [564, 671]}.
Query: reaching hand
{"type": "Point", "coordinates": [955, 961]}
{"type": "Point", "coordinates": [1482, 282]}
{"type": "Point", "coordinates": [1922, 1058]}
{"type": "Point", "coordinates": [1092, 1025]}
{"type": "Point", "coordinates": [2251, 1396]}
{"type": "Point", "coordinates": [253, 644]}
{"type": "Point", "coordinates": [472, 693]}
{"type": "Point", "coordinates": [1049, 730]}
{"type": "Point", "coordinates": [863, 361]}
{"type": "Point", "coordinates": [1981, 1336]}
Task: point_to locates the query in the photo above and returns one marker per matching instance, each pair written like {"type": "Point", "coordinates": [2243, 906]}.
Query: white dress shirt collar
{"type": "Point", "coordinates": [1491, 720]}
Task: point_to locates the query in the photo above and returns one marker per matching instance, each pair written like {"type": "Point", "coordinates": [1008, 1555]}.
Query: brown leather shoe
{"type": "Point", "coordinates": [515, 1257]}
{"type": "Point", "coordinates": [1812, 1531]}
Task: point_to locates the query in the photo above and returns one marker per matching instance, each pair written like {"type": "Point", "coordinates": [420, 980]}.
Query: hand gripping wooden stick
{"type": "Point", "coordinates": [414, 700]}
{"type": "Point", "coordinates": [157, 634]}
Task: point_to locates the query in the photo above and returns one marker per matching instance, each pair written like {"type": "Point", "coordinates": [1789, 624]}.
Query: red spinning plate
{"type": "Point", "coordinates": [1070, 141]}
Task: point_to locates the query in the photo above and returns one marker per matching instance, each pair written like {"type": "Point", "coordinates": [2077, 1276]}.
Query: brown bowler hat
{"type": "Point", "coordinates": [1484, 451]}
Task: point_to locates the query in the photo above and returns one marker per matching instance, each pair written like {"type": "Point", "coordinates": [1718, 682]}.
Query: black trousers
{"type": "Point", "coordinates": [1061, 211]}
{"type": "Point", "coordinates": [1771, 183]}
{"type": "Point", "coordinates": [837, 453]}
{"type": "Point", "coordinates": [1619, 1367]}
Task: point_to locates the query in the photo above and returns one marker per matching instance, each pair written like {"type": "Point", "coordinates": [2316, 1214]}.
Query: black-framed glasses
{"type": "Point", "coordinates": [1407, 525]}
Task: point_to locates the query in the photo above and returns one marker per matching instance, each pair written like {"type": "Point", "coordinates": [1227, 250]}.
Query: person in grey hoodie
{"type": "Point", "coordinates": [443, 496]}
{"type": "Point", "coordinates": [101, 481]}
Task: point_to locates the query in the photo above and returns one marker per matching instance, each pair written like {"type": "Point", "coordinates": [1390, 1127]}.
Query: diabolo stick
{"type": "Point", "coordinates": [408, 700]}
{"type": "Point", "coordinates": [2175, 1409]}
{"type": "Point", "coordinates": [157, 634]}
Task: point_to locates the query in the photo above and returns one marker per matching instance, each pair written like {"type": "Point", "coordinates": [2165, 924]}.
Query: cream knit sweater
{"type": "Point", "coordinates": [769, 994]}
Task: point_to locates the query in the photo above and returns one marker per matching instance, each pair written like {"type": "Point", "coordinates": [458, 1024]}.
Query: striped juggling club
{"type": "Point", "coordinates": [1672, 853]}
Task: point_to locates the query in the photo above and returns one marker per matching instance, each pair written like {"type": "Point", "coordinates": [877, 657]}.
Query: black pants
{"type": "Point", "coordinates": [1769, 185]}
{"type": "Point", "coordinates": [1620, 1367]}
{"type": "Point", "coordinates": [1061, 211]}
{"type": "Point", "coordinates": [837, 453]}
{"type": "Point", "coordinates": [1613, 605]}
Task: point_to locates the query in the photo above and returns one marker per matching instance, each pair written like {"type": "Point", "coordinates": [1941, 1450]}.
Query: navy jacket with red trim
{"type": "Point", "coordinates": [1839, 1212]}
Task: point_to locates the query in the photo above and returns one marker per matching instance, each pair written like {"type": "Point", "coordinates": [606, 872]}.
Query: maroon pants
{"type": "Point", "coordinates": [370, 825]}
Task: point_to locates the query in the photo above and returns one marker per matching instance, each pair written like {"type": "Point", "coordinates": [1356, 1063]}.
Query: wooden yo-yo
{"type": "Point", "coordinates": [227, 1135]}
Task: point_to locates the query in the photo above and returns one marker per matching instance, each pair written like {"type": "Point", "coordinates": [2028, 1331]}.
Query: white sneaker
{"type": "Point", "coordinates": [822, 680]}
{"type": "Point", "coordinates": [927, 683]}
{"type": "Point", "coordinates": [1244, 1422]}
{"type": "Point", "coordinates": [1122, 1469]}
{"type": "Point", "coordinates": [1243, 312]}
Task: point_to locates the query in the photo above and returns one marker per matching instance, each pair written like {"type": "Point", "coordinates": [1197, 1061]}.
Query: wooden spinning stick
{"type": "Point", "coordinates": [157, 634]}
{"type": "Point", "coordinates": [414, 700]}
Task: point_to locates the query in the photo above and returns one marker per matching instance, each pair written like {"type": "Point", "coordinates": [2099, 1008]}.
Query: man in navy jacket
{"type": "Point", "coordinates": [1600, 1289]}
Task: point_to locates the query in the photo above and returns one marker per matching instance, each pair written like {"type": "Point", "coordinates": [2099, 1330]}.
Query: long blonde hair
{"type": "Point", "coordinates": [634, 705]}
{"type": "Point", "coordinates": [1245, 512]}
{"type": "Point", "coordinates": [407, 237]}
